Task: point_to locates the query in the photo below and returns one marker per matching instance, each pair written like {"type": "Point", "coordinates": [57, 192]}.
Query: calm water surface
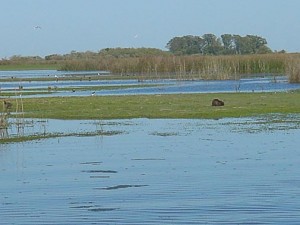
{"type": "Point", "coordinates": [229, 171]}
{"type": "Point", "coordinates": [255, 84]}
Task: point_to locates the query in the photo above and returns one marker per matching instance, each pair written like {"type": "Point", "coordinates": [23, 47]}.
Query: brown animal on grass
{"type": "Point", "coordinates": [217, 102]}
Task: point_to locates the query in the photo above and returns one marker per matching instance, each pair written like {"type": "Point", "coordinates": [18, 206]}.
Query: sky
{"type": "Point", "coordinates": [45, 27]}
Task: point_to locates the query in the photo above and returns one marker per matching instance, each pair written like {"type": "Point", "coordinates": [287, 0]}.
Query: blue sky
{"type": "Point", "coordinates": [91, 25]}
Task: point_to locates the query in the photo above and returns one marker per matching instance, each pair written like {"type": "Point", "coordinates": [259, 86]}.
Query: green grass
{"type": "Point", "coordinates": [162, 106]}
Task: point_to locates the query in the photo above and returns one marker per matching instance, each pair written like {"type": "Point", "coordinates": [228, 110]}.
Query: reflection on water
{"type": "Point", "coordinates": [157, 172]}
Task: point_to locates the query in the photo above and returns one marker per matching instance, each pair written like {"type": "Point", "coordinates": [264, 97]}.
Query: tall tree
{"type": "Point", "coordinates": [212, 45]}
{"type": "Point", "coordinates": [229, 46]}
{"type": "Point", "coordinates": [209, 44]}
{"type": "Point", "coordinates": [185, 45]}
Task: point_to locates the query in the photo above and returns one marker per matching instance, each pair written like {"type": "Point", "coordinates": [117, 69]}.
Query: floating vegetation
{"type": "Point", "coordinates": [91, 163]}
{"type": "Point", "coordinates": [94, 133]}
{"type": "Point", "coordinates": [7, 140]}
{"type": "Point", "coordinates": [148, 159]}
{"type": "Point", "coordinates": [22, 136]}
{"type": "Point", "coordinates": [99, 176]}
{"type": "Point", "coordinates": [113, 123]}
{"type": "Point", "coordinates": [102, 209]}
{"type": "Point", "coordinates": [99, 171]}
{"type": "Point", "coordinates": [93, 208]}
{"type": "Point", "coordinates": [165, 134]}
{"type": "Point", "coordinates": [122, 186]}
{"type": "Point", "coordinates": [269, 123]}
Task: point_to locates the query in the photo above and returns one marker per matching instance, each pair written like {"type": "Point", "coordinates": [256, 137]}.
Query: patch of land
{"type": "Point", "coordinates": [159, 106]}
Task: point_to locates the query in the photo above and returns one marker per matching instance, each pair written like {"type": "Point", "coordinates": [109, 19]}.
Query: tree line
{"type": "Point", "coordinates": [210, 44]}
{"type": "Point", "coordinates": [207, 44]}
{"type": "Point", "coordinates": [188, 57]}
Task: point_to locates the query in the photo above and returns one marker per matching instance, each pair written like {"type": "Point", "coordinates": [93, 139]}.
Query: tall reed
{"type": "Point", "coordinates": [292, 68]}
{"type": "Point", "coordinates": [189, 67]}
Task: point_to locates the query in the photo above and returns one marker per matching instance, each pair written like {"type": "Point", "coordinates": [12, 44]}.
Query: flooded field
{"type": "Point", "coordinates": [228, 171]}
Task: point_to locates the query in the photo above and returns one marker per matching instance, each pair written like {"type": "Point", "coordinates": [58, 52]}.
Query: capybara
{"type": "Point", "coordinates": [217, 102]}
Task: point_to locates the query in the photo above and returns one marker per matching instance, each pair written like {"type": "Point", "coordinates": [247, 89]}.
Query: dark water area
{"type": "Point", "coordinates": [227, 171]}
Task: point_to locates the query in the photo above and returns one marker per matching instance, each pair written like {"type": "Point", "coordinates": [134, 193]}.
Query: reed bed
{"type": "Point", "coordinates": [292, 68]}
{"type": "Point", "coordinates": [163, 65]}
{"type": "Point", "coordinates": [186, 67]}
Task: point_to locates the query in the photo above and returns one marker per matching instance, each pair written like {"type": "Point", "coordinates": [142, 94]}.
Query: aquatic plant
{"type": "Point", "coordinates": [3, 126]}
{"type": "Point", "coordinates": [8, 106]}
{"type": "Point", "coordinates": [4, 118]}
{"type": "Point", "coordinates": [292, 69]}
{"type": "Point", "coordinates": [45, 135]}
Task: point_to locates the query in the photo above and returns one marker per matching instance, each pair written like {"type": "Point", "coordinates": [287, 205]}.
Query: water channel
{"type": "Point", "coordinates": [151, 171]}
{"type": "Point", "coordinates": [259, 83]}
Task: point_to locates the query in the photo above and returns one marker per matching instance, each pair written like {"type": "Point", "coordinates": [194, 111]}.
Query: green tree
{"type": "Point", "coordinates": [212, 45]}
{"type": "Point", "coordinates": [229, 46]}
{"type": "Point", "coordinates": [251, 44]}
{"type": "Point", "coordinates": [185, 45]}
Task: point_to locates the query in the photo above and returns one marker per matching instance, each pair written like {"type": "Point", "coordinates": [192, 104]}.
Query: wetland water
{"type": "Point", "coordinates": [228, 171]}
{"type": "Point", "coordinates": [133, 87]}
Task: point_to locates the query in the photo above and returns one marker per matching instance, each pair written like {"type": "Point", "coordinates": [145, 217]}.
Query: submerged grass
{"type": "Point", "coordinates": [37, 137]}
{"type": "Point", "coordinates": [162, 106]}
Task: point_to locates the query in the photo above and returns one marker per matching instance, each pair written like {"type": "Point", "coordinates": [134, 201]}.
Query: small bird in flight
{"type": "Point", "coordinates": [37, 27]}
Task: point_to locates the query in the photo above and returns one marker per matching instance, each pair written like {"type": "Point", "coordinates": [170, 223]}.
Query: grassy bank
{"type": "Point", "coordinates": [161, 106]}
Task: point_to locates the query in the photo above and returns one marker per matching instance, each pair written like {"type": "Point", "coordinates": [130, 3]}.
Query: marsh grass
{"type": "Point", "coordinates": [37, 137]}
{"type": "Point", "coordinates": [292, 68]}
{"type": "Point", "coordinates": [162, 106]}
{"type": "Point", "coordinates": [187, 67]}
